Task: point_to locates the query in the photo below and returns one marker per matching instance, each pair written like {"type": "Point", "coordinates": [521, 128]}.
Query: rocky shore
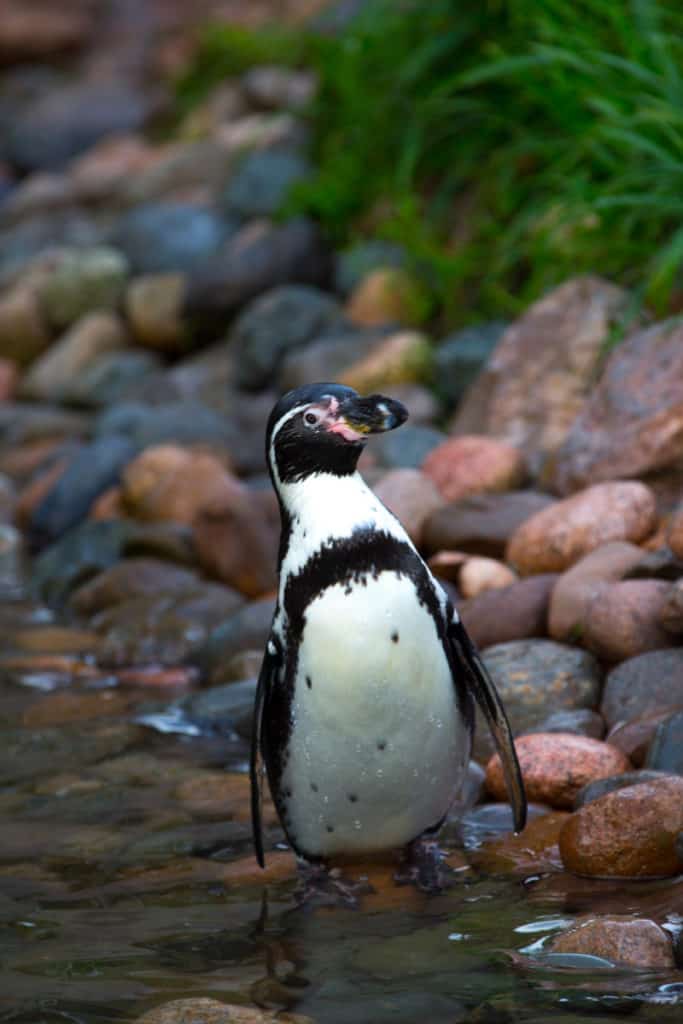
{"type": "Point", "coordinates": [153, 305]}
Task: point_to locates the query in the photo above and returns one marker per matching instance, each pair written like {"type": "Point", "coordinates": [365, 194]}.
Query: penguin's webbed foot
{"type": "Point", "coordinates": [423, 866]}
{"type": "Point", "coordinates": [323, 886]}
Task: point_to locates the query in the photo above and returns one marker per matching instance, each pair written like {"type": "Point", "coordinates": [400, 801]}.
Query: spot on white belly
{"type": "Point", "coordinates": [378, 748]}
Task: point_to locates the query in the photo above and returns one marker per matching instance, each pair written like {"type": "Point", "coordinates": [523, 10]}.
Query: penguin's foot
{"type": "Point", "coordinates": [322, 886]}
{"type": "Point", "coordinates": [423, 866]}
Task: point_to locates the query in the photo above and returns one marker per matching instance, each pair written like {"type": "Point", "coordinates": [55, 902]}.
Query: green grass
{"type": "Point", "coordinates": [508, 144]}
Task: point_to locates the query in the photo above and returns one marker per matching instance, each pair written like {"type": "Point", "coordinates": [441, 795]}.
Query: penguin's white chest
{"type": "Point", "coordinates": [378, 746]}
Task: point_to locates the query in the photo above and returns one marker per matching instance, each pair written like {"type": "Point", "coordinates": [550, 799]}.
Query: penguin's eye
{"type": "Point", "coordinates": [310, 419]}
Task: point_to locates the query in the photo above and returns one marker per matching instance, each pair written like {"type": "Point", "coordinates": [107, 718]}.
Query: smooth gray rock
{"type": "Point", "coordinates": [459, 358]}
{"type": "Point", "coordinates": [262, 182]}
{"type": "Point", "coordinates": [594, 790]}
{"type": "Point", "coordinates": [166, 236]}
{"type": "Point", "coordinates": [643, 685]}
{"type": "Point", "coordinates": [666, 750]}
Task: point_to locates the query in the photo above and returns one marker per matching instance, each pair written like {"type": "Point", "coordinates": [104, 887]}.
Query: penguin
{"type": "Point", "coordinates": [364, 707]}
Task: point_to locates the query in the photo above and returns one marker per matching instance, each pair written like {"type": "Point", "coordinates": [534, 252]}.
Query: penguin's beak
{"type": "Point", "coordinates": [357, 417]}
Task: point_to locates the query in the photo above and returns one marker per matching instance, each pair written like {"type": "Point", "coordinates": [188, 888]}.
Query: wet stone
{"type": "Point", "coordinates": [636, 942]}
{"type": "Point", "coordinates": [580, 721]}
{"type": "Point", "coordinates": [131, 577]}
{"type": "Point", "coordinates": [599, 787]}
{"type": "Point", "coordinates": [535, 850]}
{"type": "Point", "coordinates": [648, 683]}
{"type": "Point", "coordinates": [555, 766]}
{"type": "Point", "coordinates": [26, 754]}
{"type": "Point", "coordinates": [225, 707]}
{"type": "Point", "coordinates": [247, 629]}
{"type": "Point", "coordinates": [666, 750]}
{"type": "Point", "coordinates": [530, 676]}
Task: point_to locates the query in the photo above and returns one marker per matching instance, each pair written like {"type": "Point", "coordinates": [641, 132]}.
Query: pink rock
{"type": "Point", "coordinates": [236, 536]}
{"type": "Point", "coordinates": [462, 466]}
{"type": "Point", "coordinates": [511, 613]}
{"type": "Point", "coordinates": [622, 939]}
{"type": "Point", "coordinates": [556, 765]}
{"type": "Point", "coordinates": [558, 536]}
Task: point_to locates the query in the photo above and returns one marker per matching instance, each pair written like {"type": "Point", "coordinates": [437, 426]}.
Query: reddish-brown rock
{"type": "Point", "coordinates": [462, 466]}
{"type": "Point", "coordinates": [623, 620]}
{"type": "Point", "coordinates": [483, 523]}
{"type": "Point", "coordinates": [170, 482]}
{"type": "Point", "coordinates": [671, 611]}
{"type": "Point", "coordinates": [637, 942]}
{"type": "Point", "coordinates": [557, 537]}
{"type": "Point", "coordinates": [221, 795]}
{"type": "Point", "coordinates": [576, 588]}
{"type": "Point", "coordinates": [543, 368]}
{"type": "Point", "coordinates": [411, 496]}
{"type": "Point", "coordinates": [629, 833]}
{"type": "Point", "coordinates": [236, 536]}
{"type": "Point", "coordinates": [632, 424]}
{"type": "Point", "coordinates": [511, 613]}
{"type": "Point", "coordinates": [41, 29]}
{"type": "Point", "coordinates": [9, 376]}
{"type": "Point", "coordinates": [533, 851]}
{"type": "Point", "coordinates": [556, 765]}
{"type": "Point", "coordinates": [675, 533]}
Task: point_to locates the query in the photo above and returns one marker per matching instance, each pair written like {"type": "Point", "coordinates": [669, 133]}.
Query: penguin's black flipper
{"type": "Point", "coordinates": [256, 769]}
{"type": "Point", "coordinates": [490, 703]}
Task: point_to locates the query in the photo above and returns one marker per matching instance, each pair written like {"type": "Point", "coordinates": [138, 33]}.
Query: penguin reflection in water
{"type": "Point", "coordinates": [364, 707]}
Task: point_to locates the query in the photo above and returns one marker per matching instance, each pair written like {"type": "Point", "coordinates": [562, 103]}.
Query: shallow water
{"type": "Point", "coordinates": [119, 891]}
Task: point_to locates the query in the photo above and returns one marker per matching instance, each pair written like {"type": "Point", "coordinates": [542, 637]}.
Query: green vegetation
{"type": "Point", "coordinates": [506, 144]}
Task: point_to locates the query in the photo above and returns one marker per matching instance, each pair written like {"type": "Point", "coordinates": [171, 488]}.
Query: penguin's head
{"type": "Point", "coordinates": [322, 428]}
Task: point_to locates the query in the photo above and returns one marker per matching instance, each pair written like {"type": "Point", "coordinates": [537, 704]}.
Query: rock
{"type": "Point", "coordinates": [411, 496]}
{"type": "Point", "coordinates": [8, 498]}
{"type": "Point", "coordinates": [578, 587]}
{"type": "Point", "coordinates": [637, 943]}
{"type": "Point", "coordinates": [631, 425]}
{"type": "Point", "coordinates": [579, 721]}
{"type": "Point", "coordinates": [65, 707]}
{"type": "Point", "coordinates": [555, 538]}
{"type": "Point", "coordinates": [83, 280]}
{"type": "Point", "coordinates": [659, 563]}
{"type": "Point", "coordinates": [210, 1011]}
{"type": "Point", "coordinates": [635, 736]}
{"type": "Point", "coordinates": [111, 377]}
{"type": "Point", "coordinates": [556, 765]}
{"type": "Point", "coordinates": [9, 376]}
{"type": "Point", "coordinates": [670, 615]}
{"type": "Point", "coordinates": [104, 170]}
{"type": "Point", "coordinates": [24, 242]}
{"type": "Point", "coordinates": [482, 523]}
{"type": "Point", "coordinates": [403, 358]}
{"type": "Point", "coordinates": [12, 563]}
{"type": "Point", "coordinates": [223, 708]}
{"type": "Point", "coordinates": [169, 236]}
{"type": "Point", "coordinates": [248, 629]}
{"type": "Point", "coordinates": [169, 482]}
{"type": "Point", "coordinates": [175, 423]}
{"type": "Point", "coordinates": [532, 675]}
{"type": "Point", "coordinates": [69, 119]}
{"type": "Point", "coordinates": [479, 575]}
{"type": "Point", "coordinates": [553, 353]}
{"type": "Point", "coordinates": [24, 333]}
{"type": "Point", "coordinates": [623, 620]}
{"type": "Point", "coordinates": [361, 258]}
{"type": "Point", "coordinates": [627, 833]}
{"type": "Point", "coordinates": [600, 787]}
{"type": "Point", "coordinates": [282, 319]}
{"type": "Point", "coordinates": [387, 295]}
{"type": "Point", "coordinates": [516, 612]}
{"type": "Point", "coordinates": [666, 751]}
{"type": "Point", "coordinates": [129, 578]}
{"type": "Point", "coordinates": [224, 104]}
{"type": "Point", "coordinates": [94, 468]}
{"type": "Point", "coordinates": [40, 31]}
{"type": "Point", "coordinates": [162, 630]}
{"type": "Point", "coordinates": [154, 305]}
{"type": "Point", "coordinates": [237, 538]}
{"type": "Point", "coordinates": [279, 88]}
{"type": "Point", "coordinates": [646, 684]}
{"type": "Point", "coordinates": [257, 258]}
{"type": "Point", "coordinates": [460, 357]}
{"type": "Point", "coordinates": [94, 335]}
{"type": "Point", "coordinates": [406, 449]}
{"type": "Point", "coordinates": [263, 181]}
{"type": "Point", "coordinates": [675, 533]}
{"type": "Point", "coordinates": [463, 466]}
{"type": "Point", "coordinates": [329, 357]}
